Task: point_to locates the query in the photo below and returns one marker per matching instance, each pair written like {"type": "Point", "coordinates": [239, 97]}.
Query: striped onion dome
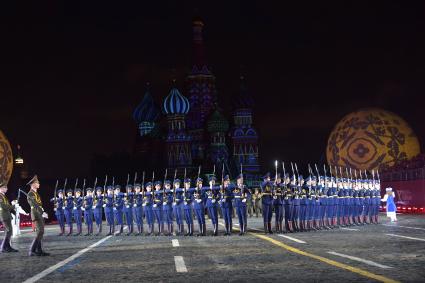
{"type": "Point", "coordinates": [146, 111]}
{"type": "Point", "coordinates": [176, 103]}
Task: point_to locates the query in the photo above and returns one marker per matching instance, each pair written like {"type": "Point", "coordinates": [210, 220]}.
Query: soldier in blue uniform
{"type": "Point", "coordinates": [267, 203]}
{"type": "Point", "coordinates": [178, 200]}
{"type": "Point", "coordinates": [287, 204]}
{"type": "Point", "coordinates": [108, 205]}
{"type": "Point", "coordinates": [58, 202]}
{"type": "Point", "coordinates": [77, 212]}
{"type": "Point", "coordinates": [138, 208]}
{"type": "Point", "coordinates": [118, 208]}
{"type": "Point", "coordinates": [241, 194]}
{"type": "Point", "coordinates": [278, 200]}
{"type": "Point", "coordinates": [167, 207]}
{"type": "Point", "coordinates": [187, 206]}
{"type": "Point", "coordinates": [213, 196]}
{"type": "Point", "coordinates": [226, 204]}
{"type": "Point", "coordinates": [148, 202]}
{"type": "Point", "coordinates": [97, 211]}
{"type": "Point", "coordinates": [312, 203]}
{"type": "Point", "coordinates": [88, 211]}
{"type": "Point", "coordinates": [198, 206]}
{"type": "Point", "coordinates": [69, 205]}
{"type": "Point", "coordinates": [329, 203]}
{"type": "Point", "coordinates": [304, 203]}
{"type": "Point", "coordinates": [295, 202]}
{"type": "Point", "coordinates": [157, 206]}
{"type": "Point", "coordinates": [128, 209]}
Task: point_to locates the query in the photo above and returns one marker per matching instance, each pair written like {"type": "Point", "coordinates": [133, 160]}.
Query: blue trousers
{"type": "Point", "coordinates": [188, 215]}
{"type": "Point", "coordinates": [109, 215]}
{"type": "Point", "coordinates": [138, 214]}
{"type": "Point", "coordinates": [296, 212]}
{"type": "Point", "coordinates": [168, 214]}
{"type": "Point", "coordinates": [68, 217]}
{"type": "Point", "coordinates": [267, 213]}
{"type": "Point", "coordinates": [149, 215]}
{"type": "Point", "coordinates": [242, 215]}
{"type": "Point", "coordinates": [303, 211]}
{"type": "Point", "coordinates": [279, 211]}
{"type": "Point", "coordinates": [98, 215]}
{"type": "Point", "coordinates": [129, 215]}
{"type": "Point", "coordinates": [178, 213]}
{"type": "Point", "coordinates": [200, 215]}
{"type": "Point", "coordinates": [213, 213]}
{"type": "Point", "coordinates": [60, 217]}
{"type": "Point", "coordinates": [77, 216]}
{"type": "Point", "coordinates": [157, 212]}
{"type": "Point", "coordinates": [88, 217]}
{"type": "Point", "coordinates": [118, 214]}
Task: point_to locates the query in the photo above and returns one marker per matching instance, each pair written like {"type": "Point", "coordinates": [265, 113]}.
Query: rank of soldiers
{"type": "Point", "coordinates": [338, 197]}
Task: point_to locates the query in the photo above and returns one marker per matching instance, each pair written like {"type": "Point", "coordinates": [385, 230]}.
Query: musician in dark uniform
{"type": "Point", "coordinates": [37, 217]}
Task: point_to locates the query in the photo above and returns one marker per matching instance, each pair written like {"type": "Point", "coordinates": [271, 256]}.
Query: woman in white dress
{"type": "Point", "coordinates": [391, 207]}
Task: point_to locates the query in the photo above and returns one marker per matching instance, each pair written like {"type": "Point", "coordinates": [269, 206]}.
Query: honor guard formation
{"type": "Point", "coordinates": [339, 197]}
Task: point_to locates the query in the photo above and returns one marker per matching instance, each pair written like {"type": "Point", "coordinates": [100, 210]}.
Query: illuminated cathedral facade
{"type": "Point", "coordinates": [189, 129]}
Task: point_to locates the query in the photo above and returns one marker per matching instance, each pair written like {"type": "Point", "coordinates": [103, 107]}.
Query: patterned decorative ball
{"type": "Point", "coordinates": [371, 138]}
{"type": "Point", "coordinates": [6, 159]}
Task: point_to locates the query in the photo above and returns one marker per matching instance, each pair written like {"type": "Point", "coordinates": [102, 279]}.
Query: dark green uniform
{"type": "Point", "coordinates": [6, 218]}
{"type": "Point", "coordinates": [37, 211]}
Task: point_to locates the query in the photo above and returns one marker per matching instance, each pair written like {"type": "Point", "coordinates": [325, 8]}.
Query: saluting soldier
{"type": "Point", "coordinates": [6, 218]}
{"type": "Point", "coordinates": [37, 217]}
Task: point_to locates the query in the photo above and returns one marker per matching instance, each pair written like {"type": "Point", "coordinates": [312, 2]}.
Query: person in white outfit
{"type": "Point", "coordinates": [16, 218]}
{"type": "Point", "coordinates": [391, 207]}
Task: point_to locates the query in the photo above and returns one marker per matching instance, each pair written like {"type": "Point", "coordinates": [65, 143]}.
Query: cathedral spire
{"type": "Point", "coordinates": [198, 42]}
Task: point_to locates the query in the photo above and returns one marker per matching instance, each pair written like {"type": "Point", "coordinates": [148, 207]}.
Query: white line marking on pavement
{"type": "Point", "coordinates": [369, 262]}
{"type": "Point", "coordinates": [406, 237]}
{"type": "Point", "coordinates": [180, 266]}
{"type": "Point", "coordinates": [293, 239]}
{"type": "Point", "coordinates": [175, 243]}
{"type": "Point", "coordinates": [416, 228]}
{"type": "Point", "coordinates": [52, 268]}
{"type": "Point", "coordinates": [349, 229]}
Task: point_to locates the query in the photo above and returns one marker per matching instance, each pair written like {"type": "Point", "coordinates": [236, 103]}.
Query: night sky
{"type": "Point", "coordinates": [71, 74]}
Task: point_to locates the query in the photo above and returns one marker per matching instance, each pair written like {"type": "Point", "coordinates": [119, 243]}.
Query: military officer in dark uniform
{"type": "Point", "coordinates": [212, 195]}
{"type": "Point", "coordinates": [78, 214]}
{"type": "Point", "coordinates": [88, 211]}
{"type": "Point", "coordinates": [118, 209]}
{"type": "Point", "coordinates": [108, 205]}
{"type": "Point", "coordinates": [37, 217]}
{"type": "Point", "coordinates": [6, 218]}
{"type": "Point", "coordinates": [68, 206]}
{"type": "Point", "coordinates": [240, 198]}
{"type": "Point", "coordinates": [128, 208]}
{"type": "Point", "coordinates": [138, 208]}
{"type": "Point", "coordinates": [198, 206]}
{"type": "Point", "coordinates": [97, 212]}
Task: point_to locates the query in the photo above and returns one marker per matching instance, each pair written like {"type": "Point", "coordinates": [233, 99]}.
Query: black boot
{"type": "Point", "coordinates": [33, 248]}
{"type": "Point", "coordinates": [265, 228]}
{"type": "Point", "coordinates": [215, 233]}
{"type": "Point", "coordinates": [204, 229]}
{"type": "Point", "coordinates": [241, 232]}
{"type": "Point", "coordinates": [40, 250]}
{"type": "Point", "coordinates": [269, 226]}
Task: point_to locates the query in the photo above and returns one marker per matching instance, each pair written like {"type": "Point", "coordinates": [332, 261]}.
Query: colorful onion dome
{"type": "Point", "coordinates": [146, 111]}
{"type": "Point", "coordinates": [217, 122]}
{"type": "Point", "coordinates": [176, 103]}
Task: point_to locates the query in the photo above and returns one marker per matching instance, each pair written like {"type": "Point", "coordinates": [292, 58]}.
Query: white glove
{"type": "Point", "coordinates": [213, 201]}
{"type": "Point", "coordinates": [128, 206]}
{"type": "Point", "coordinates": [83, 209]}
{"type": "Point", "coordinates": [154, 205]}
{"type": "Point", "coordinates": [44, 215]}
{"type": "Point", "coordinates": [185, 203]}
{"type": "Point", "coordinates": [63, 208]}
{"type": "Point", "coordinates": [134, 205]}
{"type": "Point", "coordinates": [115, 208]}
{"type": "Point", "coordinates": [164, 203]}
{"type": "Point", "coordinates": [198, 200]}
{"type": "Point", "coordinates": [144, 204]}
{"type": "Point", "coordinates": [244, 200]}
{"type": "Point", "coordinates": [75, 208]}
{"type": "Point", "coordinates": [55, 209]}
{"type": "Point", "coordinates": [104, 205]}
{"type": "Point", "coordinates": [14, 202]}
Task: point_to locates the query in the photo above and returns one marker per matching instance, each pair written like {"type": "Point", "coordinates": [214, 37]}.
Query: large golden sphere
{"type": "Point", "coordinates": [371, 138]}
{"type": "Point", "coordinates": [6, 159]}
